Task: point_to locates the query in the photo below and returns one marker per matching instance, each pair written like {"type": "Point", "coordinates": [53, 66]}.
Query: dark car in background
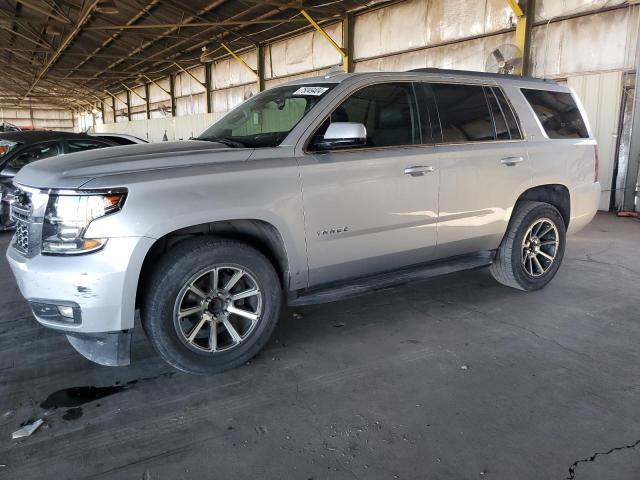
{"type": "Point", "coordinates": [120, 138]}
{"type": "Point", "coordinates": [18, 149]}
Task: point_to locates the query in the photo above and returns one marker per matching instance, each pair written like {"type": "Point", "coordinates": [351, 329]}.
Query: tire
{"type": "Point", "coordinates": [183, 281]}
{"type": "Point", "coordinates": [514, 264]}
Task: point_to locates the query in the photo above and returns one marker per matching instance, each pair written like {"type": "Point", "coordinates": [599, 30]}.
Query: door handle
{"type": "Point", "coordinates": [511, 161]}
{"type": "Point", "coordinates": [418, 170]}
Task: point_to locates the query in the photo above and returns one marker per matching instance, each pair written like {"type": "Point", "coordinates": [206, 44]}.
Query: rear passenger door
{"type": "Point", "coordinates": [483, 166]}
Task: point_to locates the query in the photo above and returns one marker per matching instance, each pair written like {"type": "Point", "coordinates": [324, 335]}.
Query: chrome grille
{"type": "Point", "coordinates": [28, 224]}
{"type": "Point", "coordinates": [22, 237]}
{"type": "Point", "coordinates": [21, 206]}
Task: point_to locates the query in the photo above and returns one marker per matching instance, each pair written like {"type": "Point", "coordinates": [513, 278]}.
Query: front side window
{"type": "Point", "coordinates": [266, 119]}
{"type": "Point", "coordinates": [558, 113]}
{"type": "Point", "coordinates": [464, 113]}
{"type": "Point", "coordinates": [82, 145]}
{"type": "Point", "coordinates": [33, 154]}
{"type": "Point", "coordinates": [388, 111]}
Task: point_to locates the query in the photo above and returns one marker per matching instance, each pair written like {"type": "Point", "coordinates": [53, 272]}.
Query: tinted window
{"type": "Point", "coordinates": [558, 113]}
{"type": "Point", "coordinates": [34, 153]}
{"type": "Point", "coordinates": [507, 111]}
{"type": "Point", "coordinates": [81, 145]}
{"type": "Point", "coordinates": [500, 124]}
{"type": "Point", "coordinates": [388, 111]}
{"type": "Point", "coordinates": [120, 140]}
{"type": "Point", "coordinates": [464, 113]}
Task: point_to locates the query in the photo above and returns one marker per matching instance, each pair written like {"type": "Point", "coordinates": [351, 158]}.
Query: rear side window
{"type": "Point", "coordinates": [558, 113]}
{"type": "Point", "coordinates": [464, 113]}
{"type": "Point", "coordinates": [505, 120]}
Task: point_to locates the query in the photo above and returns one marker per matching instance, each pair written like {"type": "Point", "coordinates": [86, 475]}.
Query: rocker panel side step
{"type": "Point", "coordinates": [359, 286]}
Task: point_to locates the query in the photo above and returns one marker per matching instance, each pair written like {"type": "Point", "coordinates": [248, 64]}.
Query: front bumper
{"type": "Point", "coordinates": [102, 284]}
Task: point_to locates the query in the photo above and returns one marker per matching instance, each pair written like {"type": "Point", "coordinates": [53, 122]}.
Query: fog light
{"type": "Point", "coordinates": [65, 311]}
{"type": "Point", "coordinates": [56, 312]}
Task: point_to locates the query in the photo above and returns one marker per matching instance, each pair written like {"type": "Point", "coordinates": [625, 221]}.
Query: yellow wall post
{"type": "Point", "coordinates": [521, 29]}
{"type": "Point", "coordinates": [345, 57]}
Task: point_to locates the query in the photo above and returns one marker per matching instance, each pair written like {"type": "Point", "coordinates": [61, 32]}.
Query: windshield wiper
{"type": "Point", "coordinates": [229, 142]}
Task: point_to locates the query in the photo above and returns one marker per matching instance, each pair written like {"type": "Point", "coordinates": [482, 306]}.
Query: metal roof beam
{"type": "Point", "coordinates": [61, 17]}
{"type": "Point", "coordinates": [141, 13]}
{"type": "Point", "coordinates": [84, 17]}
{"type": "Point", "coordinates": [150, 26]}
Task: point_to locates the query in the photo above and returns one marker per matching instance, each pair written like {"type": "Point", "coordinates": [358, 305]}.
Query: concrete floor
{"type": "Point", "coordinates": [451, 378]}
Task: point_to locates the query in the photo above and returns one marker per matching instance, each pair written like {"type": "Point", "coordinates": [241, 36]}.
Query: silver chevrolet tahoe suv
{"type": "Point", "coordinates": [308, 192]}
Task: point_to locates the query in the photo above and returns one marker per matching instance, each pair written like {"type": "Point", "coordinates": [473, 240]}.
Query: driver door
{"type": "Point", "coordinates": [364, 211]}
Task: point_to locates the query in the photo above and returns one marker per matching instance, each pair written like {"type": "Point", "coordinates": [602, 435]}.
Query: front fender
{"type": "Point", "coordinates": [162, 202]}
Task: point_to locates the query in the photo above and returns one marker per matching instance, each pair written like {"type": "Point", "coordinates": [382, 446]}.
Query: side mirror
{"type": "Point", "coordinates": [343, 135]}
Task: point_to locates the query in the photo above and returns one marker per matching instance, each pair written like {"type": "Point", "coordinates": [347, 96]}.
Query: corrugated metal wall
{"type": "Point", "coordinates": [601, 95]}
{"type": "Point", "coordinates": [411, 34]}
{"type": "Point", "coordinates": [570, 39]}
{"type": "Point", "coordinates": [48, 118]}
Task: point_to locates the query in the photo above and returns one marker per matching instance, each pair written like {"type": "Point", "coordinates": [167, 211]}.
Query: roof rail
{"type": "Point", "coordinates": [471, 73]}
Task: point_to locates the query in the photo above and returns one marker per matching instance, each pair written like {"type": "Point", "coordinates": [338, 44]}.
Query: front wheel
{"type": "Point", "coordinates": [533, 247]}
{"type": "Point", "coordinates": [211, 305]}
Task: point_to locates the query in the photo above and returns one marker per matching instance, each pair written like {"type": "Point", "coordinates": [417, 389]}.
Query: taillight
{"type": "Point", "coordinates": [597, 166]}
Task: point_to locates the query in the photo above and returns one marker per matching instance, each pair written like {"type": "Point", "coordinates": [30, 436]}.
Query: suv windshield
{"type": "Point", "coordinates": [6, 146]}
{"type": "Point", "coordinates": [266, 119]}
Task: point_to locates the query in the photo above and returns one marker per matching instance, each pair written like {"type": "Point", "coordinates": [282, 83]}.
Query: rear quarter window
{"type": "Point", "coordinates": [558, 113]}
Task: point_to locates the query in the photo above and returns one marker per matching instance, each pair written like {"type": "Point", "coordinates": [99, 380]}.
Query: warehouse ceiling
{"type": "Point", "coordinates": [66, 51]}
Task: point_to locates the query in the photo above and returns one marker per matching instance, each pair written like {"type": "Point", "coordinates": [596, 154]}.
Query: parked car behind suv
{"type": "Point", "coordinates": [119, 138]}
{"type": "Point", "coordinates": [18, 149]}
{"type": "Point", "coordinates": [309, 192]}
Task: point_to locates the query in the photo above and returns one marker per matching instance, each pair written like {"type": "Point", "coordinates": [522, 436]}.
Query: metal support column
{"type": "Point", "coordinates": [632, 177]}
{"type": "Point", "coordinates": [113, 106]}
{"type": "Point", "coordinates": [347, 41]}
{"type": "Point", "coordinates": [260, 64]}
{"type": "Point", "coordinates": [521, 29]}
{"type": "Point", "coordinates": [172, 94]}
{"type": "Point", "coordinates": [208, 86]}
{"type": "Point", "coordinates": [530, 13]}
{"type": "Point", "coordinates": [128, 105]}
{"type": "Point", "coordinates": [147, 101]}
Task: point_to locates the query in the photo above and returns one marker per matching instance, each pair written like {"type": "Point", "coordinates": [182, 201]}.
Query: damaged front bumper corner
{"type": "Point", "coordinates": [112, 349]}
{"type": "Point", "coordinates": [90, 298]}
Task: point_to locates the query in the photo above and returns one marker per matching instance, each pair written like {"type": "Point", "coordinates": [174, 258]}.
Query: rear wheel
{"type": "Point", "coordinates": [211, 305]}
{"type": "Point", "coordinates": [533, 247]}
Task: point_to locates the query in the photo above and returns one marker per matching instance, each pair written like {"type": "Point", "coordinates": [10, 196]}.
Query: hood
{"type": "Point", "coordinates": [73, 170]}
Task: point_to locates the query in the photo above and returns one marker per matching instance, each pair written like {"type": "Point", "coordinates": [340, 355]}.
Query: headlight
{"type": "Point", "coordinates": [68, 215]}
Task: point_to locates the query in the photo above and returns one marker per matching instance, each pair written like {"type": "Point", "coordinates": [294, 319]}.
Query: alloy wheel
{"type": "Point", "coordinates": [218, 309]}
{"type": "Point", "coordinates": [540, 247]}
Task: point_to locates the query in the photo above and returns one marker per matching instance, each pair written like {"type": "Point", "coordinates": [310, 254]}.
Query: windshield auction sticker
{"type": "Point", "coordinates": [312, 91]}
